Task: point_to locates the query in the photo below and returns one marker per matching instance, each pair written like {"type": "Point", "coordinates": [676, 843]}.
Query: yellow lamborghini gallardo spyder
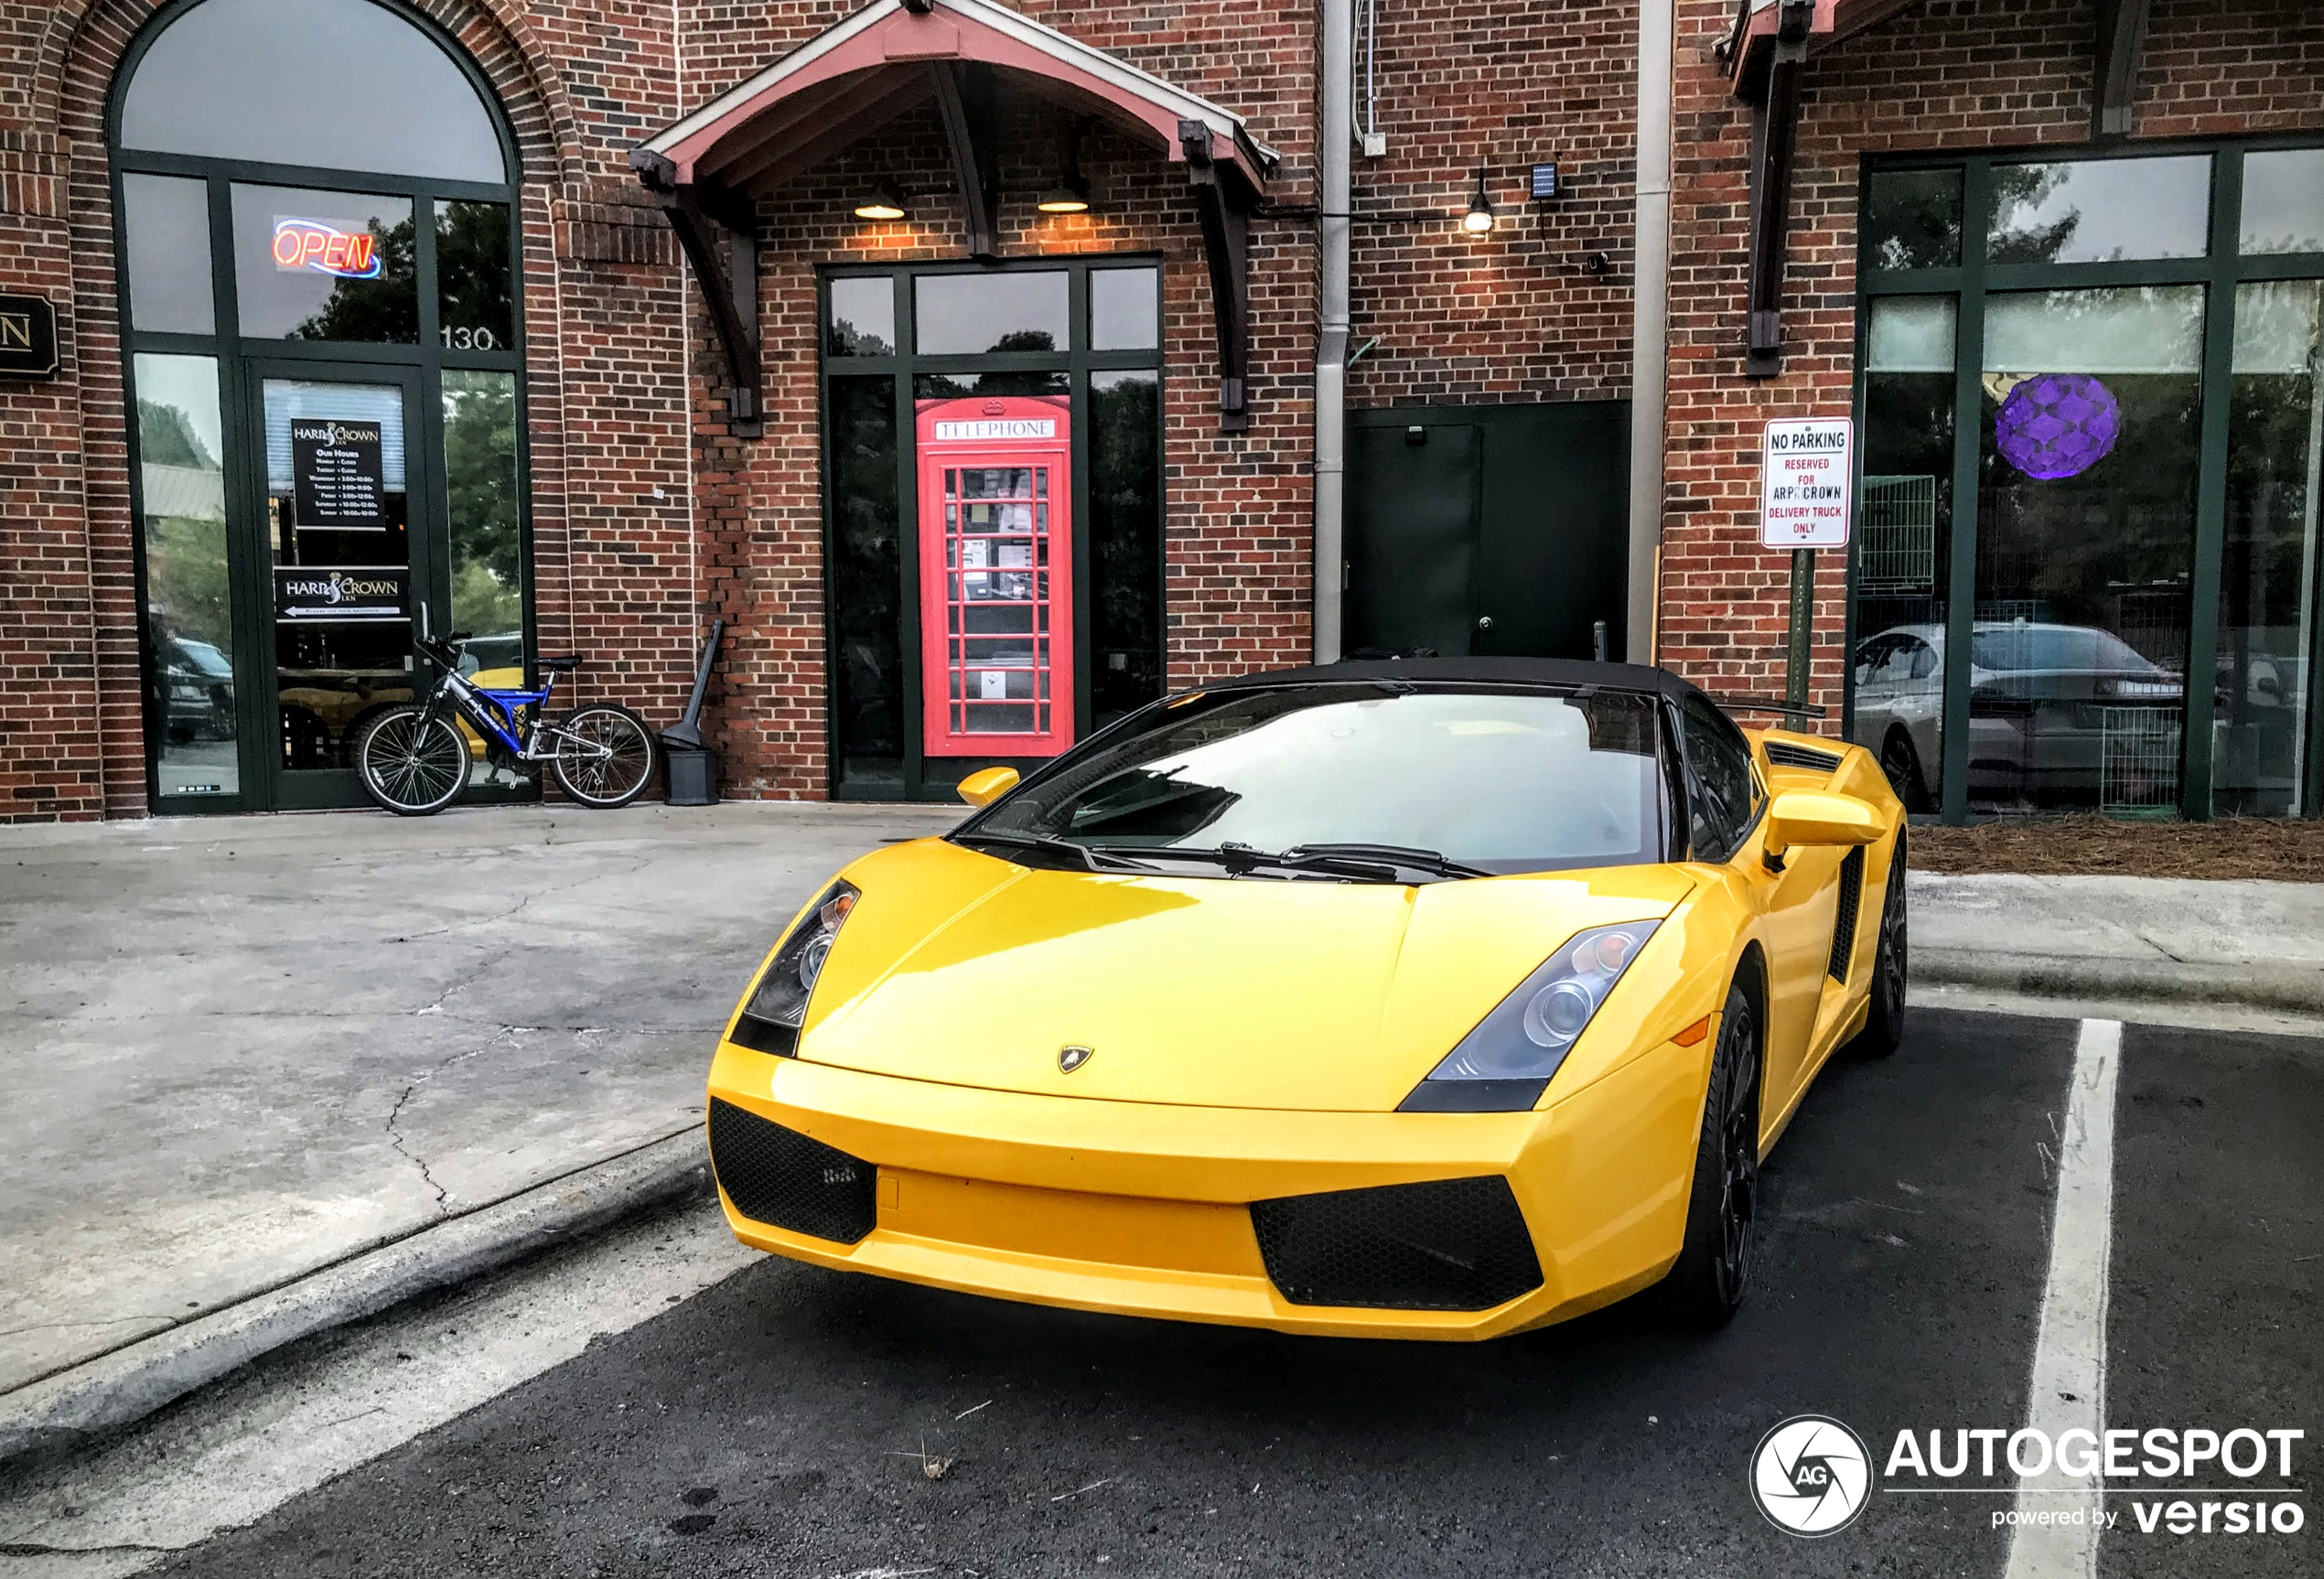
{"type": "Point", "coordinates": [1429, 998]}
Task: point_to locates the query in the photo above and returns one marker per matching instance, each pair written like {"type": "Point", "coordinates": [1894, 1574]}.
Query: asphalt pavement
{"type": "Point", "coordinates": [653, 1401]}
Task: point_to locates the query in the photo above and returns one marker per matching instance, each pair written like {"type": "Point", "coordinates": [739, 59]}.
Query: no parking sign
{"type": "Point", "coordinates": [1804, 482]}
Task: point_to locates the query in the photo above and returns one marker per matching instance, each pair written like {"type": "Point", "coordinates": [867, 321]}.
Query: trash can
{"type": "Point", "coordinates": [694, 776]}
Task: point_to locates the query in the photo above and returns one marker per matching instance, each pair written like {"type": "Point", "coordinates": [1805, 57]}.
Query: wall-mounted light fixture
{"type": "Point", "coordinates": [1479, 221]}
{"type": "Point", "coordinates": [884, 202]}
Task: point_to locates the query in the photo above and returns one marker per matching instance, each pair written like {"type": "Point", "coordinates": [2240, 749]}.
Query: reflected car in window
{"type": "Point", "coordinates": [199, 682]}
{"type": "Point", "coordinates": [2045, 700]}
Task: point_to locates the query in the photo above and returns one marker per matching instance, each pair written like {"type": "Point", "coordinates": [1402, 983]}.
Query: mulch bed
{"type": "Point", "coordinates": [2287, 850]}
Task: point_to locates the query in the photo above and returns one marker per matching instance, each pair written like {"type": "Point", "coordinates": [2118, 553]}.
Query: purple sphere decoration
{"type": "Point", "coordinates": [2058, 425]}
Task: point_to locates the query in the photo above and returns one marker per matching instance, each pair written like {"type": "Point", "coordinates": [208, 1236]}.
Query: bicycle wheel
{"type": "Point", "coordinates": [604, 755]}
{"type": "Point", "coordinates": [411, 771]}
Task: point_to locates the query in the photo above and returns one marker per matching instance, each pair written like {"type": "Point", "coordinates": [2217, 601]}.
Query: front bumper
{"type": "Point", "coordinates": [1142, 1208]}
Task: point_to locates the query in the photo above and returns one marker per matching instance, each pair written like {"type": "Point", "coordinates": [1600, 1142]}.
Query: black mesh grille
{"type": "Point", "coordinates": [780, 1177]}
{"type": "Point", "coordinates": [1844, 924]}
{"type": "Point", "coordinates": [1784, 753]}
{"type": "Point", "coordinates": [1453, 1244]}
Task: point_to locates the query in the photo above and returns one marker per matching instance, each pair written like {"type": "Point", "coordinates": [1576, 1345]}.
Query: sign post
{"type": "Point", "coordinates": [1805, 504]}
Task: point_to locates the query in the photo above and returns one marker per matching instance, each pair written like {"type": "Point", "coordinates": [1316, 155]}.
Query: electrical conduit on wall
{"type": "Point", "coordinates": [1649, 322]}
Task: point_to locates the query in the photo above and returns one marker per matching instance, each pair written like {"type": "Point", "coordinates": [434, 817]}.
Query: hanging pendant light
{"type": "Point", "coordinates": [884, 202]}
{"type": "Point", "coordinates": [1480, 218]}
{"type": "Point", "coordinates": [1070, 195]}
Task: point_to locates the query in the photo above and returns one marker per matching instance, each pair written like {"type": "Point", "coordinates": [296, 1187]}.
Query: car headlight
{"type": "Point", "coordinates": [1505, 1063]}
{"type": "Point", "coordinates": [778, 1006]}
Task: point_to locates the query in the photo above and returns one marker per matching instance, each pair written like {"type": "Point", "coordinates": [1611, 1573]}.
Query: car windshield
{"type": "Point", "coordinates": [205, 659]}
{"type": "Point", "coordinates": [1498, 780]}
{"type": "Point", "coordinates": [2055, 647]}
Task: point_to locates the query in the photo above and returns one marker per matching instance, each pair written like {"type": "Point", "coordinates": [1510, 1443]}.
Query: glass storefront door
{"type": "Point", "coordinates": [316, 201]}
{"type": "Point", "coordinates": [342, 572]}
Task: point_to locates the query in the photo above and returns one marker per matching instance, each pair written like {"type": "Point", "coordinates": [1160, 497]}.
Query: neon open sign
{"type": "Point", "coordinates": [325, 248]}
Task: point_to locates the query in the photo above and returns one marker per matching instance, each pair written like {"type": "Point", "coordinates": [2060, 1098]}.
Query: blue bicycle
{"type": "Point", "coordinates": [414, 761]}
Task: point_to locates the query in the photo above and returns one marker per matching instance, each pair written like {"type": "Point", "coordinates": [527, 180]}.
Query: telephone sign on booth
{"type": "Point", "coordinates": [996, 576]}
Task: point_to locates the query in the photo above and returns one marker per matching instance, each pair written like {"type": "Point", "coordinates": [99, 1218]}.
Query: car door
{"type": "Point", "coordinates": [1797, 902]}
{"type": "Point", "coordinates": [1875, 691]}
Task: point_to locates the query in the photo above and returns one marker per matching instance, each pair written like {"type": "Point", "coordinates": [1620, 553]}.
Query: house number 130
{"type": "Point", "coordinates": [470, 340]}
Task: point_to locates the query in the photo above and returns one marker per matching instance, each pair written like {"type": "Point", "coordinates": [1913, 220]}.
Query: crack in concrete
{"type": "Point", "coordinates": [629, 870]}
{"type": "Point", "coordinates": [427, 1178]}
{"type": "Point", "coordinates": [396, 1138]}
{"type": "Point", "coordinates": [40, 1549]}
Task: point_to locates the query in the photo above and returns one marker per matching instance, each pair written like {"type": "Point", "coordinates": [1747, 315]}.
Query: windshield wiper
{"type": "Point", "coordinates": [1082, 856]}
{"type": "Point", "coordinates": [1407, 855]}
{"type": "Point", "coordinates": [1242, 860]}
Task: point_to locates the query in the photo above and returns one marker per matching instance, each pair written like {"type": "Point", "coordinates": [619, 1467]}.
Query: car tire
{"type": "Point", "coordinates": [1883, 1030]}
{"type": "Point", "coordinates": [1705, 1286]}
{"type": "Point", "coordinates": [1900, 763]}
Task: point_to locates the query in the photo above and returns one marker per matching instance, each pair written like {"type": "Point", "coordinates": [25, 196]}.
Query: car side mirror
{"type": "Point", "coordinates": [1820, 817]}
{"type": "Point", "coordinates": [987, 785]}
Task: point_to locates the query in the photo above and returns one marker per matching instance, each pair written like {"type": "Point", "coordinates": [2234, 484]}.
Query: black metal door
{"type": "Point", "coordinates": [1413, 494]}
{"type": "Point", "coordinates": [1488, 531]}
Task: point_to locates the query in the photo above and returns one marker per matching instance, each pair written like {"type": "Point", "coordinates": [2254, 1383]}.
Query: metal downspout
{"type": "Point", "coordinates": [1649, 322]}
{"type": "Point", "coordinates": [1331, 340]}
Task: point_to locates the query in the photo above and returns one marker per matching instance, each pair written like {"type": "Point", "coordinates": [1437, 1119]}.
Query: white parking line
{"type": "Point", "coordinates": [2068, 1388]}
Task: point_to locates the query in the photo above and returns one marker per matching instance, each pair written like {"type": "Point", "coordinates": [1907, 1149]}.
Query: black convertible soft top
{"type": "Point", "coordinates": [1559, 671]}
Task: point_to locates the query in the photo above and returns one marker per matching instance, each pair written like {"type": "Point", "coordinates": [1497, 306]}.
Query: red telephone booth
{"type": "Point", "coordinates": [996, 576]}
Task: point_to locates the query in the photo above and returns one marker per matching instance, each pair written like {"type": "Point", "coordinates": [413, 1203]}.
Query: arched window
{"type": "Point", "coordinates": [317, 203]}
{"type": "Point", "coordinates": [343, 84]}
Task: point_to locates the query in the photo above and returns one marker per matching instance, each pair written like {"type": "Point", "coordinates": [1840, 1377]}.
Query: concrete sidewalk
{"type": "Point", "coordinates": [269, 1074]}
{"type": "Point", "coordinates": [240, 1052]}
{"type": "Point", "coordinates": [2159, 940]}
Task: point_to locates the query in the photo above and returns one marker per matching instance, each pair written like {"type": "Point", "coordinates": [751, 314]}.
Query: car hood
{"type": "Point", "coordinates": [964, 968]}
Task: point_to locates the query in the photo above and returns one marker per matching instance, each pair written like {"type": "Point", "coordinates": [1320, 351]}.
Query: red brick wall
{"type": "Point", "coordinates": [49, 723]}
{"type": "Point", "coordinates": [1951, 74]}
{"type": "Point", "coordinates": [1515, 314]}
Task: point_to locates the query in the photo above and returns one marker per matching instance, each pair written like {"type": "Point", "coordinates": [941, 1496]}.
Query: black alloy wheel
{"type": "Point", "coordinates": [1707, 1284]}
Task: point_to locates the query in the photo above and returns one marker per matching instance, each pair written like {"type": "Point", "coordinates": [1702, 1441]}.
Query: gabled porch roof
{"type": "Point", "coordinates": [859, 74]}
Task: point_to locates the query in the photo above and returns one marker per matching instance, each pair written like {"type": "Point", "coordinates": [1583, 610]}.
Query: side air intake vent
{"type": "Point", "coordinates": [1844, 924]}
{"type": "Point", "coordinates": [1786, 754]}
{"type": "Point", "coordinates": [781, 1177]}
{"type": "Point", "coordinates": [1451, 1244]}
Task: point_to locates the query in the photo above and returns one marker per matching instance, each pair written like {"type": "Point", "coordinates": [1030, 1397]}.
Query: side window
{"type": "Point", "coordinates": [1871, 656]}
{"type": "Point", "coordinates": [1924, 660]}
{"type": "Point", "coordinates": [1724, 798]}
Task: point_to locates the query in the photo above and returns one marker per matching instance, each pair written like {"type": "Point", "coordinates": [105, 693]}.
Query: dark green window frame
{"type": "Point", "coordinates": [903, 369]}
{"type": "Point", "coordinates": [2221, 270]}
{"type": "Point", "coordinates": [234, 356]}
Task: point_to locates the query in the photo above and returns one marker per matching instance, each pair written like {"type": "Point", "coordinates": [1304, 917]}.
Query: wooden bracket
{"type": "Point", "coordinates": [707, 221]}
{"type": "Point", "coordinates": [964, 103]}
{"type": "Point", "coordinates": [2120, 38]}
{"type": "Point", "coordinates": [1223, 206]}
{"type": "Point", "coordinates": [1775, 117]}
